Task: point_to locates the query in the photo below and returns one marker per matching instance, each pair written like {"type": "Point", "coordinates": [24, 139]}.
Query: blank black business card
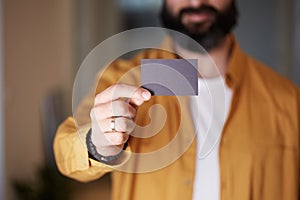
{"type": "Point", "coordinates": [170, 77]}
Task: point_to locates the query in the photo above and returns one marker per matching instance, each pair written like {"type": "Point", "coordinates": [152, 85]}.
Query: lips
{"type": "Point", "coordinates": [197, 17]}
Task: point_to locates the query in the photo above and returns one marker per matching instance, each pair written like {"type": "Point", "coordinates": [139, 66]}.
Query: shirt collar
{"type": "Point", "coordinates": [236, 66]}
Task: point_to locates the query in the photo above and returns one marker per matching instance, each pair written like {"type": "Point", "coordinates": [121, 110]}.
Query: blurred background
{"type": "Point", "coordinates": [43, 42]}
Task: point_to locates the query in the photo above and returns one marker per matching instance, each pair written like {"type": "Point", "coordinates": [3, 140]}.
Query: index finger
{"type": "Point", "coordinates": [118, 91]}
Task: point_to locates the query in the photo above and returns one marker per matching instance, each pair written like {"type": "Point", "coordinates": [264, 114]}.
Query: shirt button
{"type": "Point", "coordinates": [224, 185]}
{"type": "Point", "coordinates": [188, 182]}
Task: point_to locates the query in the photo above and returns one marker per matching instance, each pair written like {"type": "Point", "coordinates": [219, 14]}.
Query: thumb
{"type": "Point", "coordinates": [140, 96]}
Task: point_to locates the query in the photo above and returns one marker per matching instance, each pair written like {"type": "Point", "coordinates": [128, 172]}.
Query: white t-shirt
{"type": "Point", "coordinates": [210, 110]}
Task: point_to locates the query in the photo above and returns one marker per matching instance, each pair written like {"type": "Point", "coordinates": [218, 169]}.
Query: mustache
{"type": "Point", "coordinates": [201, 9]}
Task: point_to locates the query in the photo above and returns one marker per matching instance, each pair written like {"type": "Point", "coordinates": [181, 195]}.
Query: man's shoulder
{"type": "Point", "coordinates": [270, 81]}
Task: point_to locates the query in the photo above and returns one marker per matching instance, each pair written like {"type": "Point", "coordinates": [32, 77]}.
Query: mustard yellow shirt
{"type": "Point", "coordinates": [259, 149]}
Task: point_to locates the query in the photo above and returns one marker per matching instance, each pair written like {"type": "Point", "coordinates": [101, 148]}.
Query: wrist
{"type": "Point", "coordinates": [108, 155]}
{"type": "Point", "coordinates": [109, 151]}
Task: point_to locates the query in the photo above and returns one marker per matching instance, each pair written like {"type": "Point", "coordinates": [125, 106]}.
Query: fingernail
{"type": "Point", "coordinates": [146, 95]}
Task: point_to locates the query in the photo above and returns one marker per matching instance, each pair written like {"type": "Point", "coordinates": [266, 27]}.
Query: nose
{"type": "Point", "coordinates": [196, 3]}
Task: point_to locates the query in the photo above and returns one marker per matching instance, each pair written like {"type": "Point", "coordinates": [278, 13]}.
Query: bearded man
{"type": "Point", "coordinates": [257, 155]}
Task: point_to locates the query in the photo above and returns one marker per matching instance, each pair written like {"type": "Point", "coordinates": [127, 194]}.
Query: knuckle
{"type": "Point", "coordinates": [99, 112]}
{"type": "Point", "coordinates": [98, 97]}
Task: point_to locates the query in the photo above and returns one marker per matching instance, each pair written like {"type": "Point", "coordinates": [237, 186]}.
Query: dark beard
{"type": "Point", "coordinates": [224, 22]}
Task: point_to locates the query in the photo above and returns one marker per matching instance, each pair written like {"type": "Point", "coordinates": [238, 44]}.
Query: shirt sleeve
{"type": "Point", "coordinates": [71, 153]}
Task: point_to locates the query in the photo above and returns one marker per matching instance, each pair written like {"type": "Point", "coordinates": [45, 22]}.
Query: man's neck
{"type": "Point", "coordinates": [212, 64]}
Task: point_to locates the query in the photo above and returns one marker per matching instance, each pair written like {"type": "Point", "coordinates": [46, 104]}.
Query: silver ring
{"type": "Point", "coordinates": [113, 124]}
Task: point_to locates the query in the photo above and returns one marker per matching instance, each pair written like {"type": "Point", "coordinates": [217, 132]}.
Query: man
{"type": "Point", "coordinates": [258, 154]}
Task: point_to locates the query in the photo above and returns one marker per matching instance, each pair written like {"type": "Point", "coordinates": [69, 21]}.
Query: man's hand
{"type": "Point", "coordinates": [118, 102]}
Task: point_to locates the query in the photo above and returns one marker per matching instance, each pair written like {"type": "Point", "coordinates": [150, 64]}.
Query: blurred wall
{"type": "Point", "coordinates": [95, 21]}
{"type": "Point", "coordinates": [44, 44]}
{"type": "Point", "coordinates": [37, 60]}
{"type": "Point", "coordinates": [2, 178]}
{"type": "Point", "coordinates": [265, 32]}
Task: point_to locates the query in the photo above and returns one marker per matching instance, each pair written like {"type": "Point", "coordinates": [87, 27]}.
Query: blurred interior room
{"type": "Point", "coordinates": [42, 44]}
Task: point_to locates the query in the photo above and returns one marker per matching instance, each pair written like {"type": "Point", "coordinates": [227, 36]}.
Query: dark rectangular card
{"type": "Point", "coordinates": [170, 77]}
